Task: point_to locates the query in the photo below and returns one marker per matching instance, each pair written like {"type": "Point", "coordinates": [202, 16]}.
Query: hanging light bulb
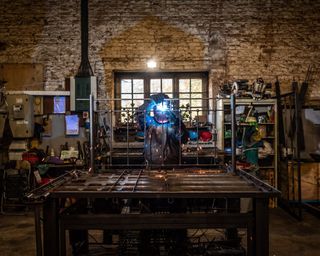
{"type": "Point", "coordinates": [151, 63]}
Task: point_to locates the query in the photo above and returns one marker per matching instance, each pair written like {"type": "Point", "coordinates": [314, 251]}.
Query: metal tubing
{"type": "Point", "coordinates": [119, 178]}
{"type": "Point", "coordinates": [38, 229]}
{"type": "Point", "coordinates": [250, 242]}
{"type": "Point", "coordinates": [127, 134]}
{"type": "Point", "coordinates": [62, 241]}
{"type": "Point", "coordinates": [84, 30]}
{"type": "Point", "coordinates": [135, 185]}
{"type": "Point", "coordinates": [155, 221]}
{"type": "Point", "coordinates": [298, 146]}
{"type": "Point", "coordinates": [261, 230]}
{"type": "Point", "coordinates": [233, 128]}
{"type": "Point", "coordinates": [85, 69]}
{"type": "Point", "coordinates": [111, 136]}
{"type": "Point", "coordinates": [198, 138]}
{"type": "Point", "coordinates": [146, 99]}
{"type": "Point", "coordinates": [178, 184]}
{"type": "Point", "coordinates": [180, 137]}
{"type": "Point", "coordinates": [154, 185]}
{"type": "Point", "coordinates": [92, 144]}
{"type": "Point", "coordinates": [51, 228]}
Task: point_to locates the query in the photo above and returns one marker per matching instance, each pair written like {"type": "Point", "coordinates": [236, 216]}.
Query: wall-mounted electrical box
{"type": "Point", "coordinates": [21, 115]}
{"type": "Point", "coordinates": [80, 90]}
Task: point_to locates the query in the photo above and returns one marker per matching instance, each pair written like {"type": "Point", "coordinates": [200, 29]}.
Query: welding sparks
{"type": "Point", "coordinates": [162, 107]}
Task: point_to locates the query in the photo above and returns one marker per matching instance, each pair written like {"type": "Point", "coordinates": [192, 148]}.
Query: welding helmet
{"type": "Point", "coordinates": [161, 112]}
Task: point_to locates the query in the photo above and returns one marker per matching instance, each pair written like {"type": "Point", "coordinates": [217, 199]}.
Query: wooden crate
{"type": "Point", "coordinates": [310, 182]}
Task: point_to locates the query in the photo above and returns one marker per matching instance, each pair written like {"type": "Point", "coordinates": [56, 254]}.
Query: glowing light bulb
{"type": "Point", "coordinates": [151, 63]}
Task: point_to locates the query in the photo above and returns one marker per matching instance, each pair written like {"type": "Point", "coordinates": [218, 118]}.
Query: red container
{"type": "Point", "coordinates": [32, 158]}
{"type": "Point", "coordinates": [205, 136]}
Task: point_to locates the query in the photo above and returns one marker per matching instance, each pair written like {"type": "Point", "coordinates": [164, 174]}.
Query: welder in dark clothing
{"type": "Point", "coordinates": [163, 129]}
{"type": "Point", "coordinates": [164, 133]}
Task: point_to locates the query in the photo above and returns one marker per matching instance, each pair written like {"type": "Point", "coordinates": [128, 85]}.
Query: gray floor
{"type": "Point", "coordinates": [287, 236]}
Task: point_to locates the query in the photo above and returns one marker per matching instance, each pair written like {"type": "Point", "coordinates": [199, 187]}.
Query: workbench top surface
{"type": "Point", "coordinates": [180, 183]}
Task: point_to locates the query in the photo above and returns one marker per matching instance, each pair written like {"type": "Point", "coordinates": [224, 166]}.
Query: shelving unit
{"type": "Point", "coordinates": [266, 167]}
{"type": "Point", "coordinates": [130, 151]}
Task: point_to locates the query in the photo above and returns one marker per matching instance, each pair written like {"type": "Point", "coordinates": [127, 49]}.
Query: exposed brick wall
{"type": "Point", "coordinates": [231, 39]}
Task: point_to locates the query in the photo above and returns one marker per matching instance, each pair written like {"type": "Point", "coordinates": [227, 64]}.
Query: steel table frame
{"type": "Point", "coordinates": [256, 222]}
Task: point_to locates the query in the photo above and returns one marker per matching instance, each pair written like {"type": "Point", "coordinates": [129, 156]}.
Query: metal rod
{"type": "Point", "coordinates": [233, 128]}
{"type": "Point", "coordinates": [145, 136]}
{"type": "Point", "coordinates": [127, 134]}
{"type": "Point", "coordinates": [111, 136]}
{"type": "Point", "coordinates": [92, 144]}
{"type": "Point", "coordinates": [198, 137]}
{"type": "Point", "coordinates": [180, 138]}
{"type": "Point", "coordinates": [38, 229]}
{"type": "Point", "coordinates": [142, 98]}
{"type": "Point", "coordinates": [136, 183]}
{"type": "Point", "coordinates": [116, 182]}
{"type": "Point", "coordinates": [42, 193]}
{"type": "Point", "coordinates": [261, 237]}
{"type": "Point", "coordinates": [119, 110]}
{"type": "Point", "coordinates": [298, 146]}
{"type": "Point", "coordinates": [162, 145]}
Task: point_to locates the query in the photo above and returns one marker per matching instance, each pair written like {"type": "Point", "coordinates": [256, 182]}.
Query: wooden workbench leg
{"type": "Point", "coordinates": [261, 229]}
{"type": "Point", "coordinates": [50, 228]}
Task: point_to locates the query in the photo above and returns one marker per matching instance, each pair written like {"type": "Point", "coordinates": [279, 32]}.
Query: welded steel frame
{"type": "Point", "coordinates": [291, 101]}
{"type": "Point", "coordinates": [56, 222]}
{"type": "Point", "coordinates": [110, 112]}
{"type": "Point", "coordinates": [256, 222]}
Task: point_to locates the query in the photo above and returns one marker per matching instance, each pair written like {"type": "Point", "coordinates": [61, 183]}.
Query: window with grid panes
{"type": "Point", "coordinates": [132, 95]}
{"type": "Point", "coordinates": [188, 89]}
{"type": "Point", "coordinates": [191, 96]}
{"type": "Point", "coordinates": [161, 85]}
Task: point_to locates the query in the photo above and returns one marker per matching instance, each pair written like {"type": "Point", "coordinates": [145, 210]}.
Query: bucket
{"type": "Point", "coordinates": [252, 155]}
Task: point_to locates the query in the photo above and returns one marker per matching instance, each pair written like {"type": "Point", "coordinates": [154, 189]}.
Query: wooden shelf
{"type": "Point", "coordinates": [210, 144]}
{"type": "Point", "coordinates": [41, 93]}
{"type": "Point", "coordinates": [266, 123]}
{"type": "Point", "coordinates": [247, 124]}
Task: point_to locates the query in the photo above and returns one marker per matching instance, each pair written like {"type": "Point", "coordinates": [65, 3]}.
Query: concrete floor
{"type": "Point", "coordinates": [287, 236]}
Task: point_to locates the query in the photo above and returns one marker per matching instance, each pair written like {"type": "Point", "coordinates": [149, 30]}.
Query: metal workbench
{"type": "Point", "coordinates": [152, 184]}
